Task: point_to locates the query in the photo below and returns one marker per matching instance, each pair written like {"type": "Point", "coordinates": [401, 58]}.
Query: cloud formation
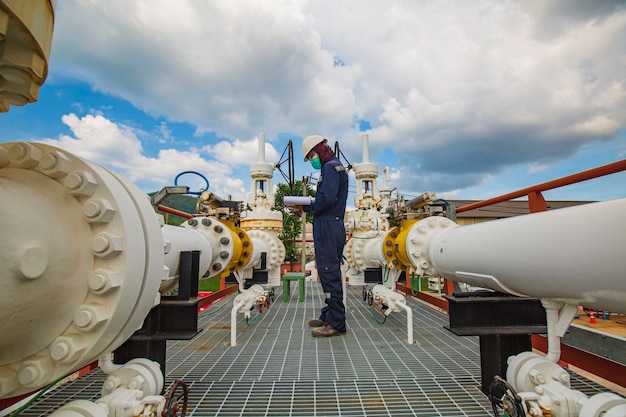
{"type": "Point", "coordinates": [117, 147]}
{"type": "Point", "coordinates": [458, 91]}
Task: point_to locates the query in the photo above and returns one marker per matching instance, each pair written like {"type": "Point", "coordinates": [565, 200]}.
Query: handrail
{"type": "Point", "coordinates": [174, 211]}
{"type": "Point", "coordinates": [560, 182]}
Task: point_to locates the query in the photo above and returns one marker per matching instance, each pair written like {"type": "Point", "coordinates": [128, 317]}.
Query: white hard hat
{"type": "Point", "coordinates": [309, 143]}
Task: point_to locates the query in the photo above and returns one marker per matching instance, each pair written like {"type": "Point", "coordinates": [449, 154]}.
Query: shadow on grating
{"type": "Point", "coordinates": [278, 369]}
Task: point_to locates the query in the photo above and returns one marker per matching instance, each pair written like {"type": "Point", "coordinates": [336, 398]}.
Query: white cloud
{"type": "Point", "coordinates": [534, 168]}
{"type": "Point", "coordinates": [117, 147]}
{"type": "Point", "coordinates": [462, 90]}
{"type": "Point", "coordinates": [241, 153]}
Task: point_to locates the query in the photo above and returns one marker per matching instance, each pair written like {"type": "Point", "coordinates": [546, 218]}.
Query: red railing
{"type": "Point", "coordinates": [597, 365]}
{"type": "Point", "coordinates": [536, 201]}
{"type": "Point", "coordinates": [174, 211]}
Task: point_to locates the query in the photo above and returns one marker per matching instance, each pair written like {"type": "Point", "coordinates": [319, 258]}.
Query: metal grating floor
{"type": "Point", "coordinates": [279, 369]}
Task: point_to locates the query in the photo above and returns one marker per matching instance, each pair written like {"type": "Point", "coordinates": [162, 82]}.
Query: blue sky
{"type": "Point", "coordinates": [466, 99]}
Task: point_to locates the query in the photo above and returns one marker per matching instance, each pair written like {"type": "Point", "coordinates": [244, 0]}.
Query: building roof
{"type": "Point", "coordinates": [507, 208]}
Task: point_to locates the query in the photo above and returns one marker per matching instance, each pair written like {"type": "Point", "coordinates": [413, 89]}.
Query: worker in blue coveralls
{"type": "Point", "coordinates": [329, 232]}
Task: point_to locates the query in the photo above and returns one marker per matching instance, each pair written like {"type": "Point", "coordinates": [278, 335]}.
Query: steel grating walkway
{"type": "Point", "coordinates": [279, 369]}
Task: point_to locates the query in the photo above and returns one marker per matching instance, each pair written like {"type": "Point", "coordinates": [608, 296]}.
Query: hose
{"type": "Point", "coordinates": [415, 292]}
{"type": "Point", "coordinates": [195, 173]}
{"type": "Point", "coordinates": [36, 397]}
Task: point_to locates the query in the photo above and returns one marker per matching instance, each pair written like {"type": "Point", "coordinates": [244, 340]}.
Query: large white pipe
{"type": "Point", "coordinates": [575, 255]}
{"type": "Point", "coordinates": [86, 238]}
{"type": "Point", "coordinates": [366, 148]}
{"type": "Point", "coordinates": [176, 240]}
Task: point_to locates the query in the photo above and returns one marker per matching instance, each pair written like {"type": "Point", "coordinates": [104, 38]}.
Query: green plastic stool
{"type": "Point", "coordinates": [293, 276]}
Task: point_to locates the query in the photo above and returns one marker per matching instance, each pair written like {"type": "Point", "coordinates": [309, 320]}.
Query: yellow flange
{"type": "Point", "coordinates": [392, 247]}
{"type": "Point", "coordinates": [242, 249]}
{"type": "Point", "coordinates": [400, 243]}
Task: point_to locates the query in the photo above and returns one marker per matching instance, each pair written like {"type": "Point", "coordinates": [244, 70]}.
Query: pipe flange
{"type": "Point", "coordinates": [77, 232]}
{"type": "Point", "coordinates": [389, 251]}
{"type": "Point", "coordinates": [245, 248]}
{"type": "Point", "coordinates": [418, 240]}
{"type": "Point", "coordinates": [224, 242]}
{"type": "Point", "coordinates": [350, 255]}
{"type": "Point", "coordinates": [275, 247]}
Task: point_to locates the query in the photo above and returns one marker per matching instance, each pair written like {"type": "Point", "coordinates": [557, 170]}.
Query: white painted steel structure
{"type": "Point", "coordinates": [88, 242]}
{"type": "Point", "coordinates": [574, 255]}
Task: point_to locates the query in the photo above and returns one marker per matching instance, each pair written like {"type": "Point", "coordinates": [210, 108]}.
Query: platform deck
{"type": "Point", "coordinates": [278, 369]}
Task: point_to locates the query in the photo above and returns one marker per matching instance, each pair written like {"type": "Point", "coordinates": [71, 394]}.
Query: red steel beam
{"type": "Point", "coordinates": [210, 299]}
{"type": "Point", "coordinates": [174, 211]}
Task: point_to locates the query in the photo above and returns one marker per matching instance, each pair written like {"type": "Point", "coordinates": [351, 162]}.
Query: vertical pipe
{"type": "Point", "coordinates": [233, 322]}
{"type": "Point", "coordinates": [366, 148]}
{"type": "Point", "coordinates": [409, 321]}
{"type": "Point", "coordinates": [552, 318]}
{"type": "Point", "coordinates": [261, 147]}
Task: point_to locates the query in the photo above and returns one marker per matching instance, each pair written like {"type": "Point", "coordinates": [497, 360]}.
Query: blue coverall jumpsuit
{"type": "Point", "coordinates": [329, 238]}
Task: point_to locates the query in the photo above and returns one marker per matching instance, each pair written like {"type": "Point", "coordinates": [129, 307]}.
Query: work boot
{"type": "Point", "coordinates": [316, 322]}
{"type": "Point", "coordinates": [326, 331]}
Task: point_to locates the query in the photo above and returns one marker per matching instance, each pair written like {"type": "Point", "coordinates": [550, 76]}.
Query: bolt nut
{"type": "Point", "coordinates": [25, 155]}
{"type": "Point", "coordinates": [102, 281]}
{"type": "Point", "coordinates": [112, 382]}
{"type": "Point", "coordinates": [218, 229]}
{"type": "Point", "coordinates": [98, 210]}
{"type": "Point", "coordinates": [206, 222]}
{"type": "Point", "coordinates": [561, 376]}
{"type": "Point", "coordinates": [55, 164]}
{"type": "Point", "coordinates": [192, 222]}
{"type": "Point", "coordinates": [224, 254]}
{"type": "Point", "coordinates": [217, 266]}
{"type": "Point", "coordinates": [35, 372]}
{"type": "Point", "coordinates": [89, 316]}
{"type": "Point", "coordinates": [80, 183]}
{"type": "Point", "coordinates": [167, 246]}
{"type": "Point", "coordinates": [105, 244]}
{"type": "Point", "coordinates": [246, 243]}
{"type": "Point", "coordinates": [136, 382]}
{"type": "Point", "coordinates": [66, 349]}
{"type": "Point", "coordinates": [537, 377]}
{"type": "Point", "coordinates": [224, 241]}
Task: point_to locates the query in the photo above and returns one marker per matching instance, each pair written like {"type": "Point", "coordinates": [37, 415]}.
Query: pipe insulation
{"type": "Point", "coordinates": [574, 255]}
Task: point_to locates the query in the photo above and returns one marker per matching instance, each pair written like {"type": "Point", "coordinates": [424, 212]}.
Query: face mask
{"type": "Point", "coordinates": [316, 162]}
